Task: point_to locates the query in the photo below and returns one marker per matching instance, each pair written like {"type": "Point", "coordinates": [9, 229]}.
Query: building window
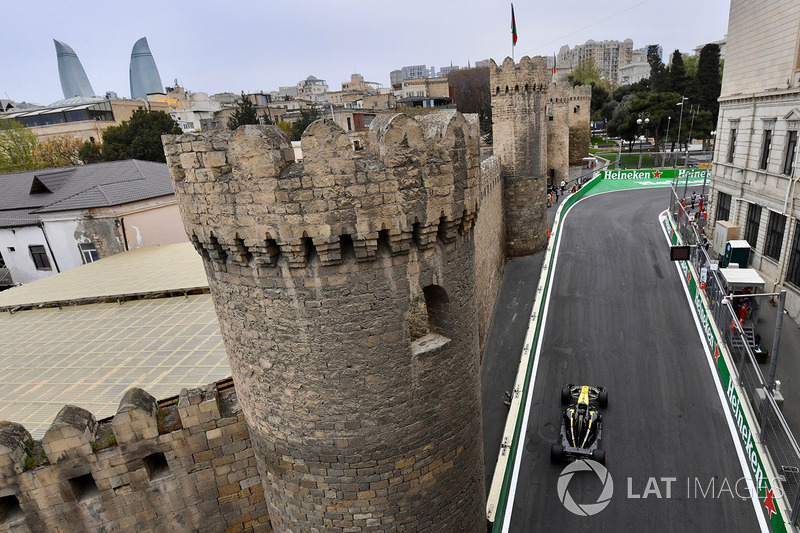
{"type": "Point", "coordinates": [732, 147]}
{"type": "Point", "coordinates": [791, 148]}
{"type": "Point", "coordinates": [751, 227]}
{"type": "Point", "coordinates": [793, 275]}
{"type": "Point", "coordinates": [723, 206]}
{"type": "Point", "coordinates": [88, 252]}
{"type": "Point", "coordinates": [765, 149]}
{"type": "Point", "coordinates": [777, 223]}
{"type": "Point", "coordinates": [39, 257]}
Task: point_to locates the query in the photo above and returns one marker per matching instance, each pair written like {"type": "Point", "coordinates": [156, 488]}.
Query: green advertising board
{"type": "Point", "coordinates": [654, 173]}
{"type": "Point", "coordinates": [743, 425]}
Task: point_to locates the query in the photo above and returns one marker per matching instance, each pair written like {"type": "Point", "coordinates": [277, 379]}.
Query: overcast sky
{"type": "Point", "coordinates": [258, 46]}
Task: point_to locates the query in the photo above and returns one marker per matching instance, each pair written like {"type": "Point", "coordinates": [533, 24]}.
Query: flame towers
{"type": "Point", "coordinates": [70, 71]}
{"type": "Point", "coordinates": [143, 71]}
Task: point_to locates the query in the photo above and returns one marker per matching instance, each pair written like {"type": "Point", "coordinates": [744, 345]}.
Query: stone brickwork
{"type": "Point", "coordinates": [185, 465]}
{"type": "Point", "coordinates": [490, 240]}
{"type": "Point", "coordinates": [580, 133]}
{"type": "Point", "coordinates": [558, 108]}
{"type": "Point", "coordinates": [520, 139]}
{"type": "Point", "coordinates": [313, 267]}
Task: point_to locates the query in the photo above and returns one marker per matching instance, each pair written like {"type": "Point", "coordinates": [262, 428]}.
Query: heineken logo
{"type": "Point", "coordinates": [639, 174]}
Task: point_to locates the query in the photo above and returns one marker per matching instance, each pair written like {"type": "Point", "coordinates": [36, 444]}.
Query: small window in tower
{"type": "Point", "coordinates": [10, 511]}
{"type": "Point", "coordinates": [84, 487]}
{"type": "Point", "coordinates": [156, 466]}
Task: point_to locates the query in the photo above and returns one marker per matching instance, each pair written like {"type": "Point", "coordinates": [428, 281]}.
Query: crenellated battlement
{"type": "Point", "coordinates": [194, 448]}
{"type": "Point", "coordinates": [416, 181]}
{"type": "Point", "coordinates": [530, 75]}
{"type": "Point", "coordinates": [581, 92]}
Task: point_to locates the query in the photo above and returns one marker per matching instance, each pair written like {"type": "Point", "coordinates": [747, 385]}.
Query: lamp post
{"type": "Point", "coordinates": [643, 118]}
{"type": "Point", "coordinates": [680, 122]}
{"type": "Point", "coordinates": [666, 141]}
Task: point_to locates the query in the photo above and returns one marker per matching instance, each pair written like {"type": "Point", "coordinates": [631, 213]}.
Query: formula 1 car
{"type": "Point", "coordinates": [581, 424]}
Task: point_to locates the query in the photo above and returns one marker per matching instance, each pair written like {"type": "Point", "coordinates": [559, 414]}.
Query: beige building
{"type": "Point", "coordinates": [426, 87]}
{"type": "Point", "coordinates": [85, 118]}
{"type": "Point", "coordinates": [754, 178]}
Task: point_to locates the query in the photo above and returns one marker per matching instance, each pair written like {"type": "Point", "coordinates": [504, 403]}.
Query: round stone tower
{"type": "Point", "coordinates": [317, 270]}
{"type": "Point", "coordinates": [580, 132]}
{"type": "Point", "coordinates": [520, 139]}
{"type": "Point", "coordinates": [558, 95]}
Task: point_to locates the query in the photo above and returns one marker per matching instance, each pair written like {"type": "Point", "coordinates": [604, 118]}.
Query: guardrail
{"type": "Point", "coordinates": [773, 432]}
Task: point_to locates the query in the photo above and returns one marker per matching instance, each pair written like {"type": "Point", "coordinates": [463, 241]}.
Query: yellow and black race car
{"type": "Point", "coordinates": [581, 424]}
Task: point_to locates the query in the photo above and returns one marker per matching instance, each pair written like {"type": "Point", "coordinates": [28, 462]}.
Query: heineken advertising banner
{"type": "Point", "coordinates": [653, 173]}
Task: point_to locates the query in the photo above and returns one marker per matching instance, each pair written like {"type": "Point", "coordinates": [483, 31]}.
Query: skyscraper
{"type": "Point", "coordinates": [143, 72]}
{"type": "Point", "coordinates": [70, 71]}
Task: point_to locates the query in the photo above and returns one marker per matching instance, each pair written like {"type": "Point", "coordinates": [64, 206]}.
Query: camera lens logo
{"type": "Point", "coordinates": [587, 509]}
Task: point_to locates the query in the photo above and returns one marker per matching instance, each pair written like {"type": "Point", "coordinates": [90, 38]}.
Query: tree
{"type": "Point", "coordinates": [676, 78]}
{"type": "Point", "coordinates": [139, 137]}
{"type": "Point", "coordinates": [245, 113]}
{"type": "Point", "coordinates": [59, 151]}
{"type": "Point", "coordinates": [708, 82]}
{"type": "Point", "coordinates": [286, 127]}
{"type": "Point", "coordinates": [90, 152]}
{"type": "Point", "coordinates": [18, 147]}
{"type": "Point", "coordinates": [307, 116]}
{"type": "Point", "coordinates": [585, 73]}
{"type": "Point", "coordinates": [473, 94]}
{"type": "Point", "coordinates": [658, 72]}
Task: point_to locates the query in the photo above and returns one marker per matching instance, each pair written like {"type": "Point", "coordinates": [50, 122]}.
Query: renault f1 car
{"type": "Point", "coordinates": [581, 424]}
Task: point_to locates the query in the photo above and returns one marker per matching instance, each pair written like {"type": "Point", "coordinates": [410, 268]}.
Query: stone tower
{"type": "Point", "coordinates": [557, 111]}
{"type": "Point", "coordinates": [314, 268]}
{"type": "Point", "coordinates": [520, 139]}
{"type": "Point", "coordinates": [580, 133]}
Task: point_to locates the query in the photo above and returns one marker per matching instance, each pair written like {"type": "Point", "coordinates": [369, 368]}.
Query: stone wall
{"type": "Point", "coordinates": [558, 109]}
{"type": "Point", "coordinates": [313, 267]}
{"type": "Point", "coordinates": [181, 465]}
{"type": "Point", "coordinates": [489, 243]}
{"type": "Point", "coordinates": [580, 133]}
{"type": "Point", "coordinates": [520, 139]}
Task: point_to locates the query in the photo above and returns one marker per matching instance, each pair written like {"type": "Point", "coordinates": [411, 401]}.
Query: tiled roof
{"type": "Point", "coordinates": [81, 187]}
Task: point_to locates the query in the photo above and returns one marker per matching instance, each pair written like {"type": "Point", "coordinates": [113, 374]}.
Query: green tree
{"type": "Point", "coordinates": [708, 82]}
{"type": "Point", "coordinates": [286, 127]}
{"type": "Point", "coordinates": [139, 137]}
{"type": "Point", "coordinates": [19, 147]}
{"type": "Point", "coordinates": [59, 151]}
{"type": "Point", "coordinates": [245, 113]}
{"type": "Point", "coordinates": [658, 72]}
{"type": "Point", "coordinates": [676, 78]}
{"type": "Point", "coordinates": [90, 152]}
{"type": "Point", "coordinates": [690, 65]}
{"type": "Point", "coordinates": [307, 116]}
{"type": "Point", "coordinates": [585, 73]}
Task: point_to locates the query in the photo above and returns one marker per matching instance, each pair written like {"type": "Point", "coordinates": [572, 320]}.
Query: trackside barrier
{"type": "Point", "coordinates": [772, 454]}
{"type": "Point", "coordinates": [497, 500]}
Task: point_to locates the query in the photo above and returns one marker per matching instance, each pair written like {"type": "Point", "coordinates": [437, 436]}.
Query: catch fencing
{"type": "Point", "coordinates": [773, 432]}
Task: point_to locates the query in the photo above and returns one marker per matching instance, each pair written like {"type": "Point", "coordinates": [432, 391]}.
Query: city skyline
{"type": "Point", "coordinates": [215, 54]}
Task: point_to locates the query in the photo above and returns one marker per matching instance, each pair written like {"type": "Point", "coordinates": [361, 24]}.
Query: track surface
{"type": "Point", "coordinates": [618, 317]}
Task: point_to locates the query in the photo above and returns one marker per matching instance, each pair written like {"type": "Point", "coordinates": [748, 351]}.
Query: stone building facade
{"type": "Point", "coordinates": [755, 167]}
{"type": "Point", "coordinates": [580, 133]}
{"type": "Point", "coordinates": [557, 110]}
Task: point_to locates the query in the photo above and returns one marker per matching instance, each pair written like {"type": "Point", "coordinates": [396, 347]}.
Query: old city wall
{"type": "Point", "coordinates": [490, 242]}
{"type": "Point", "coordinates": [520, 139]}
{"type": "Point", "coordinates": [313, 267]}
{"type": "Point", "coordinates": [580, 134]}
{"type": "Point", "coordinates": [558, 100]}
{"type": "Point", "coordinates": [182, 465]}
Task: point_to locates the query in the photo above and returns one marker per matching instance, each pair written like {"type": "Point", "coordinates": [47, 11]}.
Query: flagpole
{"type": "Point", "coordinates": [513, 31]}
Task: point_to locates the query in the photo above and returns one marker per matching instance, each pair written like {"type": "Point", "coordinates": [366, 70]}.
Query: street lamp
{"type": "Point", "coordinates": [639, 122]}
{"type": "Point", "coordinates": [683, 99]}
{"type": "Point", "coordinates": [669, 119]}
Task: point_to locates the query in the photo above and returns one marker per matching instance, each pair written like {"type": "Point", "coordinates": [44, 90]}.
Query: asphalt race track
{"type": "Point", "coordinates": [618, 317]}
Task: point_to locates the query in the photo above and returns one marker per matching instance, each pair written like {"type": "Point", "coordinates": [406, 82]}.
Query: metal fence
{"type": "Point", "coordinates": [773, 431]}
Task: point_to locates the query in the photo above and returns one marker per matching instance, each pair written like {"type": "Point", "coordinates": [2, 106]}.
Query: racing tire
{"type": "Point", "coordinates": [556, 453]}
{"type": "Point", "coordinates": [602, 399]}
{"type": "Point", "coordinates": [566, 396]}
{"type": "Point", "coordinates": [599, 456]}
